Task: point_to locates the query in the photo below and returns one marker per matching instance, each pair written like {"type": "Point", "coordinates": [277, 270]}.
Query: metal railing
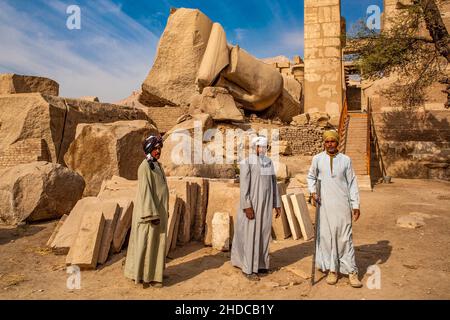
{"type": "Point", "coordinates": [374, 138]}
{"type": "Point", "coordinates": [368, 152]}
{"type": "Point", "coordinates": [343, 126]}
{"type": "Point", "coordinates": [343, 134]}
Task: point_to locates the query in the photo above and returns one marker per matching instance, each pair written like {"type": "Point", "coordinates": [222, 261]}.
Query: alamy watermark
{"type": "Point", "coordinates": [230, 146]}
{"type": "Point", "coordinates": [74, 280]}
{"type": "Point", "coordinates": [373, 21]}
{"type": "Point", "coordinates": [374, 281]}
{"type": "Point", "coordinates": [73, 21]}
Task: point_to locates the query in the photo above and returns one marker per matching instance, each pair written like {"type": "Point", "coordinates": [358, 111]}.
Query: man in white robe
{"type": "Point", "coordinates": [259, 196]}
{"type": "Point", "coordinates": [338, 200]}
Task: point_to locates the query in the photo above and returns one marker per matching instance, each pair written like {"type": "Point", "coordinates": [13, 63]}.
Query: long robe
{"type": "Point", "coordinates": [258, 189]}
{"type": "Point", "coordinates": [146, 249]}
{"type": "Point", "coordinates": [339, 195]}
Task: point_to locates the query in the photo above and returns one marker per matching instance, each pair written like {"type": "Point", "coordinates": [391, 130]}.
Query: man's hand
{"type": "Point", "coordinates": [356, 214]}
{"type": "Point", "coordinates": [315, 199]}
{"type": "Point", "coordinates": [155, 222]}
{"type": "Point", "coordinates": [277, 212]}
{"type": "Point", "coordinates": [250, 213]}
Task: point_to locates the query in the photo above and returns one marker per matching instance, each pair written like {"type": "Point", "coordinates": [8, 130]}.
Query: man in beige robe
{"type": "Point", "coordinates": [146, 249]}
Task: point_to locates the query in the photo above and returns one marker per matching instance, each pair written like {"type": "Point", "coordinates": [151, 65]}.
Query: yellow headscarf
{"type": "Point", "coordinates": [331, 134]}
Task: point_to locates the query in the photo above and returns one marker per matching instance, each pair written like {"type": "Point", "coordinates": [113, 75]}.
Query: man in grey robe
{"type": "Point", "coordinates": [259, 196]}
{"type": "Point", "coordinates": [338, 200]}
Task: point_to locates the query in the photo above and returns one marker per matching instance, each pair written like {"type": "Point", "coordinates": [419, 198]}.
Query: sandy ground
{"type": "Point", "coordinates": [413, 263]}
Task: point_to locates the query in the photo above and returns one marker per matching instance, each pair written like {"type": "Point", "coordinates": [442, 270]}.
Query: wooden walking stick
{"type": "Point", "coordinates": [316, 226]}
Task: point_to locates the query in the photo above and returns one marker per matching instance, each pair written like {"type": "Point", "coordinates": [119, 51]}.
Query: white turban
{"type": "Point", "coordinates": [259, 141]}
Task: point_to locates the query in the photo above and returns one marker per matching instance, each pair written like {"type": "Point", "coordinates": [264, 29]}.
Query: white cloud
{"type": "Point", "coordinates": [240, 34]}
{"type": "Point", "coordinates": [274, 41]}
{"type": "Point", "coordinates": [292, 40]}
{"type": "Point", "coordinates": [109, 57]}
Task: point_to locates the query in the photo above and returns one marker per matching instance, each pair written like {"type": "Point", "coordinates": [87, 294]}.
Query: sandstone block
{"type": "Point", "coordinates": [293, 87]}
{"type": "Point", "coordinates": [298, 60]}
{"type": "Point", "coordinates": [56, 230]}
{"type": "Point", "coordinates": [284, 108]}
{"type": "Point", "coordinates": [223, 196]}
{"type": "Point", "coordinates": [283, 64]}
{"type": "Point", "coordinates": [175, 206]}
{"type": "Point", "coordinates": [90, 98]}
{"type": "Point", "coordinates": [118, 188]}
{"type": "Point", "coordinates": [293, 223]}
{"type": "Point", "coordinates": [221, 231]}
{"type": "Point", "coordinates": [280, 225]}
{"type": "Point", "coordinates": [240, 78]}
{"type": "Point", "coordinates": [67, 234]}
{"type": "Point", "coordinates": [85, 250]}
{"type": "Point", "coordinates": [302, 214]}
{"type": "Point", "coordinates": [177, 217]}
{"type": "Point", "coordinates": [282, 171]}
{"type": "Point", "coordinates": [100, 151]}
{"type": "Point", "coordinates": [111, 212]}
{"type": "Point", "coordinates": [218, 103]}
{"type": "Point", "coordinates": [215, 59]}
{"type": "Point", "coordinates": [14, 83]}
{"type": "Point", "coordinates": [38, 191]}
{"type": "Point", "coordinates": [123, 224]}
{"type": "Point", "coordinates": [300, 120]}
{"type": "Point", "coordinates": [319, 118]}
{"type": "Point", "coordinates": [410, 222]}
{"type": "Point", "coordinates": [199, 203]}
{"type": "Point", "coordinates": [53, 120]}
{"type": "Point", "coordinates": [182, 154]}
{"type": "Point", "coordinates": [181, 189]}
{"type": "Point", "coordinates": [171, 80]}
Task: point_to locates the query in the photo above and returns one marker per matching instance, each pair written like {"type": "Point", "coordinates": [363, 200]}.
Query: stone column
{"type": "Point", "coordinates": [323, 57]}
{"type": "Point", "coordinates": [389, 12]}
{"type": "Point", "coordinates": [393, 12]}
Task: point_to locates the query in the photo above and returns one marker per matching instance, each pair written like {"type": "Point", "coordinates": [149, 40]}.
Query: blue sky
{"type": "Point", "coordinates": [112, 53]}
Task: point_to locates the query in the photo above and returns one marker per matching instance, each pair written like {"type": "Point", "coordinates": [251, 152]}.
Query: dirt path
{"type": "Point", "coordinates": [414, 263]}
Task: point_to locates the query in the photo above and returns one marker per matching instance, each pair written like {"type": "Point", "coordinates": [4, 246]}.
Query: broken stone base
{"type": "Point", "coordinates": [221, 231]}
